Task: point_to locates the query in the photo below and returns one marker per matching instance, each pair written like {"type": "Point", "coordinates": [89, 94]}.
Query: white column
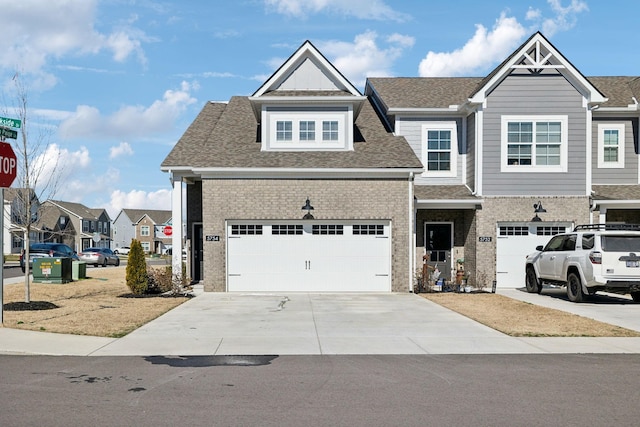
{"type": "Point", "coordinates": [177, 237]}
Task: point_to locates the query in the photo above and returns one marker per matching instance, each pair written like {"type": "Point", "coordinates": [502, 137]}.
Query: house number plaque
{"type": "Point", "coordinates": [484, 239]}
{"type": "Point", "coordinates": [212, 238]}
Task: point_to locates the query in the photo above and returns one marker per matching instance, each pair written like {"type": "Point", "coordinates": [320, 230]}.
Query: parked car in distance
{"type": "Point", "coordinates": [50, 250]}
{"type": "Point", "coordinates": [99, 256]}
{"type": "Point", "coordinates": [124, 250]}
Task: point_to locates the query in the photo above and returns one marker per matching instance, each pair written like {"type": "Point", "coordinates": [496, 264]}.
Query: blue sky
{"type": "Point", "coordinates": [113, 84]}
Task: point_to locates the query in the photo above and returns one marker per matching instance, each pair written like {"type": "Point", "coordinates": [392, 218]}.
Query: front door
{"type": "Point", "coordinates": [197, 254]}
{"type": "Point", "coordinates": [438, 239]}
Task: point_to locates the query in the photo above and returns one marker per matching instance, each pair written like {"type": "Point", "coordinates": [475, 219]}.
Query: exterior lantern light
{"type": "Point", "coordinates": [307, 206]}
{"type": "Point", "coordinates": [537, 208]}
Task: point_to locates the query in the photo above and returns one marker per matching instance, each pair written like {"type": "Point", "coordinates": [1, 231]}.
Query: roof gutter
{"type": "Point", "coordinates": [290, 173]}
{"type": "Point", "coordinates": [449, 203]}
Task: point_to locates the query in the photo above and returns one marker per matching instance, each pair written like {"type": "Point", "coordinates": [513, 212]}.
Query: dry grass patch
{"type": "Point", "coordinates": [101, 305]}
{"type": "Point", "coordinates": [521, 319]}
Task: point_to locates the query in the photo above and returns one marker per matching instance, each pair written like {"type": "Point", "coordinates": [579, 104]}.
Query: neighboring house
{"type": "Point", "coordinates": [526, 152]}
{"type": "Point", "coordinates": [145, 225]}
{"type": "Point", "coordinates": [15, 202]}
{"type": "Point", "coordinates": [74, 224]}
{"type": "Point", "coordinates": [473, 171]}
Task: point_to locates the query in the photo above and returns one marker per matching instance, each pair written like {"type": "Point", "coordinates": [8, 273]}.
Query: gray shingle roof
{"type": "Point", "coordinates": [619, 89]}
{"type": "Point", "coordinates": [616, 192]}
{"type": "Point", "coordinates": [157, 216]}
{"type": "Point", "coordinates": [440, 92]}
{"type": "Point", "coordinates": [443, 192]}
{"type": "Point", "coordinates": [228, 136]}
{"type": "Point", "coordinates": [424, 92]}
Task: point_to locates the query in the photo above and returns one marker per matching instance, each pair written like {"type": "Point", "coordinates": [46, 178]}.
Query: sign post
{"type": "Point", "coordinates": [8, 172]}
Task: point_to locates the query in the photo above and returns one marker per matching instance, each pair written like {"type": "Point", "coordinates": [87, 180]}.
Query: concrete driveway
{"type": "Point", "coordinates": [242, 324]}
{"type": "Point", "coordinates": [233, 324]}
{"type": "Point", "coordinates": [327, 324]}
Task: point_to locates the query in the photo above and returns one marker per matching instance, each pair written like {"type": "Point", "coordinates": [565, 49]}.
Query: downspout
{"type": "Point", "coordinates": [412, 233]}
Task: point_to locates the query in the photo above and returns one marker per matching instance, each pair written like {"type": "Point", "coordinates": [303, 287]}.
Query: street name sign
{"type": "Point", "coordinates": [12, 123]}
{"type": "Point", "coordinates": [8, 133]}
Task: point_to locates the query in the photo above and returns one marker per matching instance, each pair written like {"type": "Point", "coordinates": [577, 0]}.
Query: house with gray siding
{"type": "Point", "coordinates": [311, 185]}
{"type": "Point", "coordinates": [145, 225]}
{"type": "Point", "coordinates": [526, 152]}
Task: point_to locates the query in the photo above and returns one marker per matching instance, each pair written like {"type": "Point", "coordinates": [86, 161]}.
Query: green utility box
{"type": "Point", "coordinates": [52, 270]}
{"type": "Point", "coordinates": [79, 270]}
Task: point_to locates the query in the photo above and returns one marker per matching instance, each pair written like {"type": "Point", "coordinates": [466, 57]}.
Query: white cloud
{"type": "Point", "coordinates": [54, 169]}
{"type": "Point", "coordinates": [124, 149]}
{"type": "Point", "coordinates": [33, 31]}
{"type": "Point", "coordinates": [129, 121]}
{"type": "Point", "coordinates": [364, 57]}
{"type": "Point", "coordinates": [137, 199]}
{"type": "Point", "coordinates": [484, 49]}
{"type": "Point", "coordinates": [362, 9]}
{"type": "Point", "coordinates": [565, 17]}
{"type": "Point", "coordinates": [487, 48]}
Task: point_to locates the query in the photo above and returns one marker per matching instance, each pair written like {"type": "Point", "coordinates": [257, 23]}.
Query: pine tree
{"type": "Point", "coordinates": [137, 279]}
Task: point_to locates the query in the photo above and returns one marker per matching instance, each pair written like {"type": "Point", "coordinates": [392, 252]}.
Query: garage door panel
{"type": "Point", "coordinates": [514, 243]}
{"type": "Point", "coordinates": [309, 262]}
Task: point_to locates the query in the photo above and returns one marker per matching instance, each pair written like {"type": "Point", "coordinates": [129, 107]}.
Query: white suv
{"type": "Point", "coordinates": [591, 258]}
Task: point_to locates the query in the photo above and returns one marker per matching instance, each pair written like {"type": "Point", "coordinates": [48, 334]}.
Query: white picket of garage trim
{"type": "Point", "coordinates": [304, 260]}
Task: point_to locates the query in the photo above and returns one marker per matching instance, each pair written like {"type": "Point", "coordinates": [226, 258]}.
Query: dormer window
{"type": "Point", "coordinates": [307, 128]}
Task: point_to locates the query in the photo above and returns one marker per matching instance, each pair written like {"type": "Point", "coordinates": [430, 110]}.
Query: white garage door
{"type": "Point", "coordinates": [309, 256]}
{"type": "Point", "coordinates": [515, 242]}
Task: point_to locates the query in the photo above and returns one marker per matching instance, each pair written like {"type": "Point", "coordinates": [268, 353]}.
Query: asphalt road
{"type": "Point", "coordinates": [463, 390]}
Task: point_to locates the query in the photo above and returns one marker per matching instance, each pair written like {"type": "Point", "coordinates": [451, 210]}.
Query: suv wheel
{"type": "Point", "coordinates": [532, 282]}
{"type": "Point", "coordinates": [635, 296]}
{"type": "Point", "coordinates": [574, 288]}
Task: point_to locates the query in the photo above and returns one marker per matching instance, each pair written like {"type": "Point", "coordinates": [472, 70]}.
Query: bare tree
{"type": "Point", "coordinates": [39, 170]}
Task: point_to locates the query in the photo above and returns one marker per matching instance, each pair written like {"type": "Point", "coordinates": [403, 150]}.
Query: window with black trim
{"type": "Point", "coordinates": [246, 229]}
{"type": "Point", "coordinates": [368, 229]}
{"type": "Point", "coordinates": [327, 229]}
{"type": "Point", "coordinates": [286, 229]}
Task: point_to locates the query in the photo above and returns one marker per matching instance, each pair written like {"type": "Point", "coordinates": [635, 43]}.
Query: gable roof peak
{"type": "Point", "coordinates": [535, 55]}
{"type": "Point", "coordinates": [307, 69]}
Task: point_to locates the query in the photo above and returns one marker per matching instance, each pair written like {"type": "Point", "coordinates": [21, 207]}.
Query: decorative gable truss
{"type": "Point", "coordinates": [537, 55]}
{"type": "Point", "coordinates": [307, 105]}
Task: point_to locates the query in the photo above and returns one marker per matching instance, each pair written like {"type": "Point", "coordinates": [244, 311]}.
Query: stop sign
{"type": "Point", "coordinates": [8, 165]}
{"type": "Point", "coordinates": [168, 231]}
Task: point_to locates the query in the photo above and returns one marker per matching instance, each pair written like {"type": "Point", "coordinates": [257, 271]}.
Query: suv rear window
{"type": "Point", "coordinates": [620, 243]}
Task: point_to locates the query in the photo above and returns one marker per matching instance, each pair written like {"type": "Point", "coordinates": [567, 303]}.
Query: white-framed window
{"type": "Point", "coordinates": [439, 148]}
{"type": "Point", "coordinates": [611, 145]}
{"type": "Point", "coordinates": [146, 246]}
{"type": "Point", "coordinates": [284, 130]}
{"type": "Point", "coordinates": [144, 230]}
{"type": "Point", "coordinates": [534, 144]}
{"type": "Point", "coordinates": [300, 131]}
{"type": "Point", "coordinates": [307, 130]}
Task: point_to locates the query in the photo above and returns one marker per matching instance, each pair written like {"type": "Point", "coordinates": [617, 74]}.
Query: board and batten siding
{"type": "Point", "coordinates": [613, 176]}
{"type": "Point", "coordinates": [534, 95]}
{"type": "Point", "coordinates": [411, 129]}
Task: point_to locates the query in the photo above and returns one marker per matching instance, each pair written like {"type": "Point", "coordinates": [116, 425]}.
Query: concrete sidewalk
{"type": "Point", "coordinates": [308, 324]}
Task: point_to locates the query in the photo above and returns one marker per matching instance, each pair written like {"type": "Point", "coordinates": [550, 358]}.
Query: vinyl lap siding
{"type": "Point", "coordinates": [534, 95]}
{"type": "Point", "coordinates": [411, 129]}
{"type": "Point", "coordinates": [471, 151]}
{"type": "Point", "coordinates": [628, 175]}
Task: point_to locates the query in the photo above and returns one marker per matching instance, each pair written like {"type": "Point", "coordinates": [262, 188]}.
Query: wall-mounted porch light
{"type": "Point", "coordinates": [307, 206]}
{"type": "Point", "coordinates": [537, 208]}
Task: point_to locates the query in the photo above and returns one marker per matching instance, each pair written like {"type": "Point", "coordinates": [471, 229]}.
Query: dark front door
{"type": "Point", "coordinates": [197, 254]}
{"type": "Point", "coordinates": [438, 244]}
